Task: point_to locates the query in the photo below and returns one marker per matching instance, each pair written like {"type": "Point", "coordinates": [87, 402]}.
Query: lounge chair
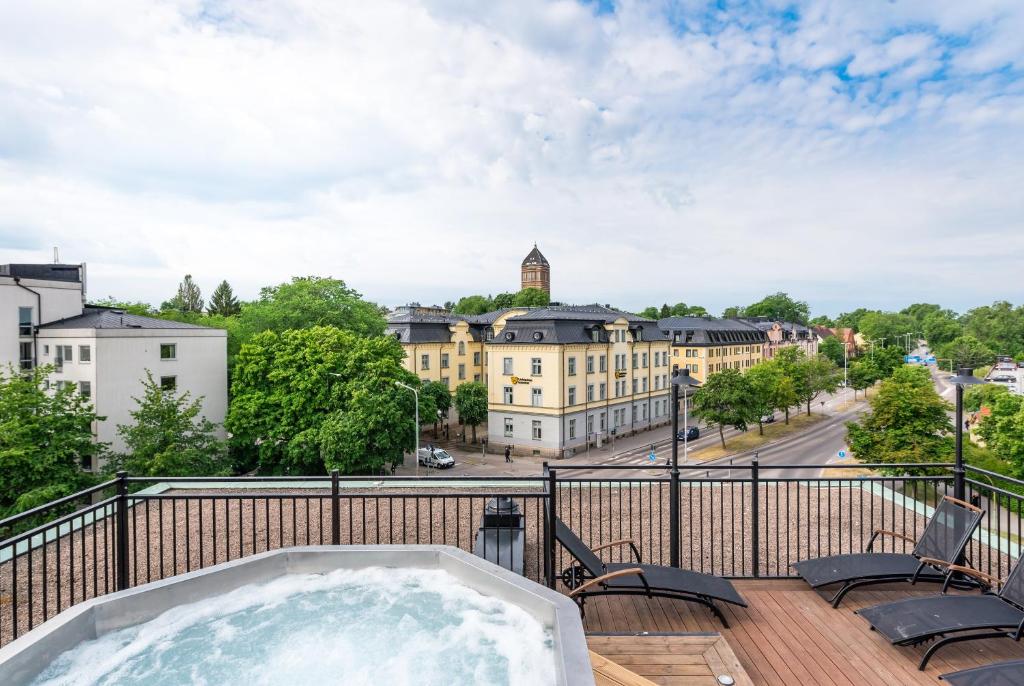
{"type": "Point", "coordinates": [941, 543]}
{"type": "Point", "coordinates": [1009, 673]}
{"type": "Point", "coordinates": [593, 577]}
{"type": "Point", "coordinates": [953, 618]}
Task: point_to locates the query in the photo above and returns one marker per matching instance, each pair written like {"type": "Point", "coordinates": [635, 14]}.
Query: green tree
{"type": "Point", "coordinates": [223, 301]}
{"type": "Point", "coordinates": [138, 307]}
{"type": "Point", "coordinates": [967, 351]}
{"type": "Point", "coordinates": [726, 399]}
{"type": "Point", "coordinates": [320, 398]}
{"type": "Point", "coordinates": [887, 360]}
{"type": "Point", "coordinates": [920, 311]}
{"type": "Point", "coordinates": [473, 304]}
{"type": "Point", "coordinates": [940, 327]}
{"type": "Point", "coordinates": [665, 311]}
{"type": "Point", "coordinates": [833, 349]}
{"type": "Point", "coordinates": [851, 320]}
{"type": "Point", "coordinates": [1000, 326]}
{"type": "Point", "coordinates": [188, 298]}
{"type": "Point", "coordinates": [1003, 430]}
{"type": "Point", "coordinates": [531, 297]}
{"type": "Point", "coordinates": [503, 301]}
{"type": "Point", "coordinates": [440, 399]}
{"type": "Point", "coordinates": [779, 307]}
{"type": "Point", "coordinates": [650, 312]}
{"type": "Point", "coordinates": [983, 395]}
{"type": "Point", "coordinates": [734, 311]}
{"type": "Point", "coordinates": [814, 376]}
{"type": "Point", "coordinates": [45, 438]}
{"type": "Point", "coordinates": [889, 326]}
{"type": "Point", "coordinates": [170, 437]}
{"type": "Point", "coordinates": [311, 301]}
{"type": "Point", "coordinates": [471, 402]}
{"type": "Point", "coordinates": [908, 422]}
{"type": "Point", "coordinates": [862, 375]}
{"type": "Point", "coordinates": [823, 320]}
{"type": "Point", "coordinates": [771, 390]}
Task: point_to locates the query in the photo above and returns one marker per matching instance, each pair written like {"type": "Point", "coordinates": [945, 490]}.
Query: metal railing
{"type": "Point", "coordinates": [740, 521]}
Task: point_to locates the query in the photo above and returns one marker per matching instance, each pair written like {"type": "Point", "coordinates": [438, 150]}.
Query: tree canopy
{"type": "Point", "coordinates": [45, 438]}
{"type": "Point", "coordinates": [223, 301]}
{"type": "Point", "coordinates": [726, 399]}
{"type": "Point", "coordinates": [771, 390]}
{"type": "Point", "coordinates": [473, 304]}
{"type": "Point", "coordinates": [966, 351]}
{"type": "Point", "coordinates": [311, 301]}
{"type": "Point", "coordinates": [833, 349]}
{"type": "Point", "coordinates": [310, 400]}
{"type": "Point", "coordinates": [531, 297]}
{"type": "Point", "coordinates": [779, 307]}
{"type": "Point", "coordinates": [471, 402]}
{"type": "Point", "coordinates": [1003, 430]}
{"type": "Point", "coordinates": [188, 298]}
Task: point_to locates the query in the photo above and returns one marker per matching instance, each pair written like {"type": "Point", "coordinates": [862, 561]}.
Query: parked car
{"type": "Point", "coordinates": [691, 434]}
{"type": "Point", "coordinates": [438, 458]}
{"type": "Point", "coordinates": [768, 419]}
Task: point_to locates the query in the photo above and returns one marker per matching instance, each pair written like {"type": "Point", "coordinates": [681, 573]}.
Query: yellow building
{"type": "Point", "coordinates": [562, 376]}
{"type": "Point", "coordinates": [706, 345]}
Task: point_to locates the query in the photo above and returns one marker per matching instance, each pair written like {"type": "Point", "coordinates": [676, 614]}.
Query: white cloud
{"type": "Point", "coordinates": [417, 149]}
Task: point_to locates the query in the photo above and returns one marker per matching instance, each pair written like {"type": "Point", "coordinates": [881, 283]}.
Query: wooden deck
{"type": "Point", "coordinates": [663, 659]}
{"type": "Point", "coordinates": [790, 635]}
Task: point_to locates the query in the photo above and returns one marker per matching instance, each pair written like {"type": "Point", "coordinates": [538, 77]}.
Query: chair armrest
{"type": "Point", "coordinates": [961, 503]}
{"type": "Point", "coordinates": [621, 541]}
{"type": "Point", "coordinates": [879, 532]}
{"type": "Point", "coordinates": [935, 561]}
{"type": "Point", "coordinates": [607, 577]}
{"type": "Point", "coordinates": [981, 576]}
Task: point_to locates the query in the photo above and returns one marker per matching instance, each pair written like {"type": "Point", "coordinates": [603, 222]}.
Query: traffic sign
{"type": "Point", "coordinates": [652, 457]}
{"type": "Point", "coordinates": [842, 453]}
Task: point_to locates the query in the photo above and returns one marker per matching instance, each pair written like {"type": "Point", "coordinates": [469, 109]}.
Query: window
{"type": "Point", "coordinates": [445, 380]}
{"type": "Point", "coordinates": [590, 364]}
{"type": "Point", "coordinates": [444, 360]}
{"type": "Point", "coordinates": [169, 351]}
{"type": "Point", "coordinates": [657, 383]}
{"type": "Point", "coordinates": [536, 429]}
{"type": "Point", "coordinates": [476, 378]}
{"type": "Point", "coordinates": [572, 395]}
{"type": "Point", "coordinates": [507, 366]}
{"type": "Point", "coordinates": [476, 358]}
{"type": "Point", "coordinates": [85, 388]}
{"type": "Point", "coordinates": [572, 429]}
{"type": "Point", "coordinates": [635, 386]}
{"type": "Point", "coordinates": [604, 391]}
{"type": "Point", "coordinates": [603, 423]}
{"type": "Point", "coordinates": [462, 347]}
{"type": "Point", "coordinates": [536, 397]}
{"type": "Point", "coordinates": [63, 354]}
{"type": "Point", "coordinates": [643, 361]}
{"type": "Point", "coordinates": [24, 321]}
{"type": "Point", "coordinates": [25, 355]}
{"type": "Point", "coordinates": [84, 354]}
{"type": "Point", "coordinates": [604, 363]}
{"type": "Point", "coordinates": [572, 366]}
{"type": "Point", "coordinates": [425, 362]}
{"type": "Point", "coordinates": [508, 427]}
{"type": "Point", "coordinates": [168, 383]}
{"type": "Point", "coordinates": [508, 395]}
{"type": "Point", "coordinates": [664, 358]}
{"type": "Point", "coordinates": [46, 350]}
{"type": "Point", "coordinates": [645, 412]}
{"type": "Point", "coordinates": [590, 392]}
{"type": "Point", "coordinates": [633, 419]}
{"type": "Point", "coordinates": [635, 359]}
{"type": "Point", "coordinates": [590, 426]}
{"type": "Point", "coordinates": [657, 360]}
{"type": "Point", "coordinates": [644, 385]}
{"type": "Point", "coordinates": [462, 371]}
{"type": "Point", "coordinates": [535, 366]}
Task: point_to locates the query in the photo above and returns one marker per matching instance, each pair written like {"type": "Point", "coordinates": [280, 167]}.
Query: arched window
{"type": "Point", "coordinates": [462, 347]}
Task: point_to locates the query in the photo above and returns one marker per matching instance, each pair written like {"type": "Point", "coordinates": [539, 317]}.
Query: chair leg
{"type": "Point", "coordinates": [957, 639]}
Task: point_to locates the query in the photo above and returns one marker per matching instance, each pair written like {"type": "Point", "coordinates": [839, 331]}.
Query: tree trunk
{"type": "Point", "coordinates": [808, 408]}
{"type": "Point", "coordinates": [787, 415]}
{"type": "Point", "coordinates": [760, 427]}
{"type": "Point", "coordinates": [721, 435]}
{"type": "Point", "coordinates": [435, 431]}
{"type": "Point", "coordinates": [474, 434]}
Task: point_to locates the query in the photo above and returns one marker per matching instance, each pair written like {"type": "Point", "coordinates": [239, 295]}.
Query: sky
{"type": "Point", "coordinates": [860, 153]}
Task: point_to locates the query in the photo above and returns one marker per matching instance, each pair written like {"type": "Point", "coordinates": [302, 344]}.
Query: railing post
{"type": "Point", "coordinates": [121, 553]}
{"type": "Point", "coordinates": [959, 474]}
{"type": "Point", "coordinates": [673, 482]}
{"type": "Point", "coordinates": [755, 500]}
{"type": "Point", "coordinates": [552, 515]}
{"type": "Point", "coordinates": [335, 509]}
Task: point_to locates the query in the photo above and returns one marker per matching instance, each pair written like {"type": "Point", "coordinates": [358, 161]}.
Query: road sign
{"type": "Point", "coordinates": [842, 453]}
{"type": "Point", "coordinates": [652, 457]}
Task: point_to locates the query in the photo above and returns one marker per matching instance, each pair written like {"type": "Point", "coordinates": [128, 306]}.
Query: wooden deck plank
{"type": "Point", "coordinates": [672, 660]}
{"type": "Point", "coordinates": [788, 634]}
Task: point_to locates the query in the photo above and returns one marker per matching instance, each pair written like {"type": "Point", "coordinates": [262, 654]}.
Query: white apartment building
{"type": "Point", "coordinates": [106, 352]}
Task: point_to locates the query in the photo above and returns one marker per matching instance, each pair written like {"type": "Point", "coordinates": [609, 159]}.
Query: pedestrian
{"type": "Point", "coordinates": [508, 453]}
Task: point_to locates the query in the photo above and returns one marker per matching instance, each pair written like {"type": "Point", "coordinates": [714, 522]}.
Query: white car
{"type": "Point", "coordinates": [438, 458]}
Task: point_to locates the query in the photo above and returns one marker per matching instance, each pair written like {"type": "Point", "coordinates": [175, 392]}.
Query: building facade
{"type": "Point", "coordinates": [780, 335]}
{"type": "Point", "coordinates": [31, 294]}
{"type": "Point", "coordinates": [536, 272]}
{"type": "Point", "coordinates": [565, 377]}
{"type": "Point", "coordinates": [706, 345]}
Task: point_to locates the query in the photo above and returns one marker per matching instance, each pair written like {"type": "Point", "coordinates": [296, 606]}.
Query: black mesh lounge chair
{"type": "Point", "coordinates": [942, 542]}
{"type": "Point", "coordinates": [595, 577]}
{"type": "Point", "coordinates": [953, 618]}
{"type": "Point", "coordinates": [1000, 674]}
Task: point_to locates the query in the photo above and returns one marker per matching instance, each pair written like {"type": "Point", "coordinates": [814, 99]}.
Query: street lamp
{"type": "Point", "coordinates": [964, 377]}
{"type": "Point", "coordinates": [680, 379]}
{"type": "Point", "coordinates": [416, 396]}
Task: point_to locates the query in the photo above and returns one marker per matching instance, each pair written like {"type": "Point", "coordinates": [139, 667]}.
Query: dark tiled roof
{"type": "Point", "coordinates": [563, 324]}
{"type": "Point", "coordinates": [535, 259]}
{"type": "Point", "coordinates": [106, 318]}
{"type": "Point", "coordinates": [70, 273]}
{"type": "Point", "coordinates": [699, 331]}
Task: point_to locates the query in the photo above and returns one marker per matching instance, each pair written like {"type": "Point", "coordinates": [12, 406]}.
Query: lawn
{"type": "Point", "coordinates": [751, 439]}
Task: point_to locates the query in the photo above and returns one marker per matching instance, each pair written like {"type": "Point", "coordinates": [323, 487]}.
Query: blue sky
{"type": "Point", "coordinates": [850, 153]}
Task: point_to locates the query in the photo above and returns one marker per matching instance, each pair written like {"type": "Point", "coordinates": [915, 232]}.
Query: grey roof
{"type": "Point", "coordinates": [564, 324]}
{"type": "Point", "coordinates": [700, 331]}
{"type": "Point", "coordinates": [535, 259]}
{"type": "Point", "coordinates": [71, 273]}
{"type": "Point", "coordinates": [410, 327]}
{"type": "Point", "coordinates": [109, 318]}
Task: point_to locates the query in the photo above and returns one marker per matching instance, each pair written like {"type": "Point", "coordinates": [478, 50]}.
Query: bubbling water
{"type": "Point", "coordinates": [378, 626]}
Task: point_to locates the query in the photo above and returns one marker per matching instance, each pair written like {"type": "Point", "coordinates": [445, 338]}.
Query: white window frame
{"type": "Point", "coordinates": [509, 427]}
{"type": "Point", "coordinates": [537, 431]}
{"type": "Point", "coordinates": [535, 366]}
{"type": "Point", "coordinates": [173, 349]}
{"type": "Point", "coordinates": [507, 366]}
{"type": "Point", "coordinates": [508, 395]}
{"type": "Point", "coordinates": [88, 354]}
{"type": "Point", "coordinates": [537, 397]}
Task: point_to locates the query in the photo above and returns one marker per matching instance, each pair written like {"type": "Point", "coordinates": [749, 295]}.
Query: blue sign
{"type": "Point", "coordinates": [652, 457]}
{"type": "Point", "coordinates": [842, 453]}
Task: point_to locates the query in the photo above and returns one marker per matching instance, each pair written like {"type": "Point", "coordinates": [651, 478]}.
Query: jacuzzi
{"type": "Point", "coordinates": [316, 614]}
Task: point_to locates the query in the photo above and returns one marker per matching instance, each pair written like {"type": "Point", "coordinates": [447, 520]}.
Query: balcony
{"type": "Point", "coordinates": [745, 522]}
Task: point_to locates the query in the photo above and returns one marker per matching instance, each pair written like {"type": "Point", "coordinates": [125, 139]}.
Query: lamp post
{"type": "Point", "coordinates": [416, 396]}
{"type": "Point", "coordinates": [680, 379]}
{"type": "Point", "coordinates": [964, 377]}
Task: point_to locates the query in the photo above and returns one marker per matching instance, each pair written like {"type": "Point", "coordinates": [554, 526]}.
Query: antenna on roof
{"type": "Point", "coordinates": [56, 255]}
